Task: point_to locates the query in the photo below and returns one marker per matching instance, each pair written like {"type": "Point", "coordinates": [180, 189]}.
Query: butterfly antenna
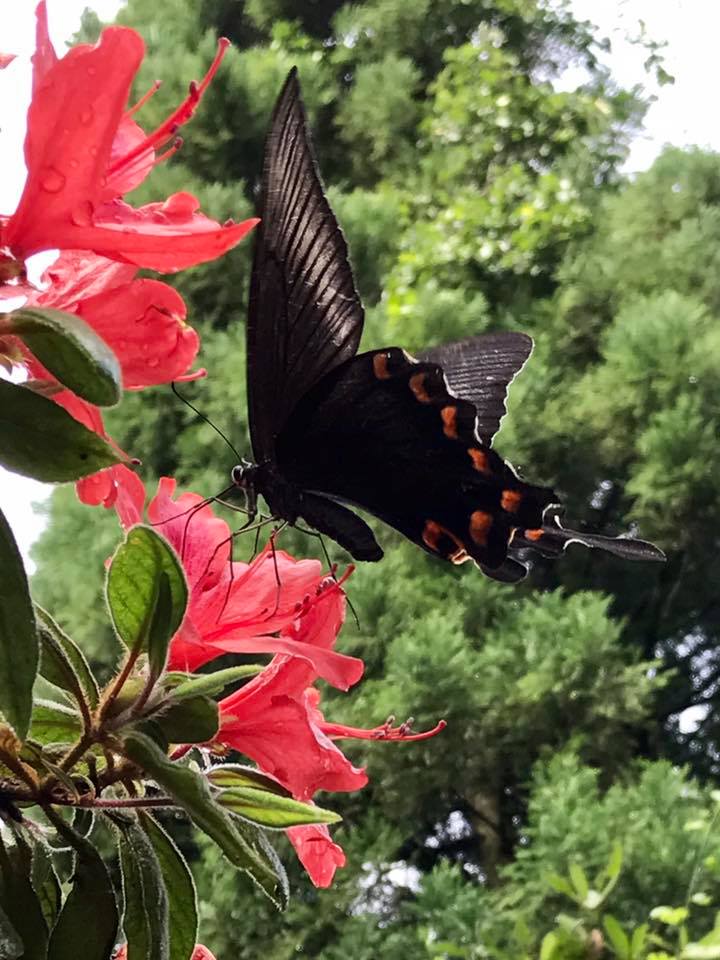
{"type": "Point", "coordinates": [205, 419]}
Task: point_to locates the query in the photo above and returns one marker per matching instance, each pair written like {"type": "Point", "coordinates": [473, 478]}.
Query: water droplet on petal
{"type": "Point", "coordinates": [93, 151]}
{"type": "Point", "coordinates": [52, 180]}
{"type": "Point", "coordinates": [82, 215]}
{"type": "Point", "coordinates": [73, 163]}
{"type": "Point", "coordinates": [91, 71]}
{"type": "Point", "coordinates": [87, 115]}
{"type": "Point", "coordinates": [153, 362]}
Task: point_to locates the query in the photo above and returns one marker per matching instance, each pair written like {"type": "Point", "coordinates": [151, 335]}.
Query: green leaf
{"type": "Point", "coordinates": [18, 634]}
{"type": "Point", "coordinates": [229, 775]}
{"type": "Point", "coordinates": [208, 684]}
{"type": "Point", "coordinates": [46, 884]}
{"type": "Point", "coordinates": [88, 922]}
{"type": "Point", "coordinates": [146, 902]}
{"type": "Point", "coordinates": [49, 766]}
{"type": "Point", "coordinates": [191, 791]}
{"type": "Point", "coordinates": [701, 899]}
{"type": "Point", "coordinates": [194, 720]}
{"type": "Point", "coordinates": [579, 880]}
{"type": "Point", "coordinates": [549, 944]}
{"type": "Point", "coordinates": [133, 590]}
{"type": "Point", "coordinates": [700, 951]}
{"type": "Point", "coordinates": [561, 885]}
{"type": "Point", "coordinates": [20, 902]}
{"type": "Point", "coordinates": [72, 352]}
{"type": "Point", "coordinates": [158, 637]}
{"type": "Point", "coordinates": [41, 440]}
{"type": "Point", "coordinates": [672, 916]}
{"type": "Point", "coordinates": [638, 939]}
{"type": "Point", "coordinates": [614, 865]}
{"type": "Point", "coordinates": [182, 897]}
{"type": "Point", "coordinates": [62, 662]}
{"type": "Point", "coordinates": [11, 946]}
{"type": "Point", "coordinates": [269, 810]}
{"type": "Point", "coordinates": [617, 936]}
{"type": "Point", "coordinates": [54, 723]}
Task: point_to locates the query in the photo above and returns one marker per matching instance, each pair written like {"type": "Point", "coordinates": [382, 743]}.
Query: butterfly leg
{"type": "Point", "coordinates": [332, 567]}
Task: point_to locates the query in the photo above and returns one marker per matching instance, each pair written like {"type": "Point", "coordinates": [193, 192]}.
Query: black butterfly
{"type": "Point", "coordinates": [407, 439]}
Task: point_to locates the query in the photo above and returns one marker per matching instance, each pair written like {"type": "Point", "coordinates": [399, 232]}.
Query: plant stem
{"type": "Point", "coordinates": [18, 767]}
{"type": "Point", "coordinates": [119, 682]}
{"type": "Point", "coordinates": [120, 803]}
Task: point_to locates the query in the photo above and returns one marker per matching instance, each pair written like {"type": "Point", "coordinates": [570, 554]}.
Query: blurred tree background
{"type": "Point", "coordinates": [477, 192]}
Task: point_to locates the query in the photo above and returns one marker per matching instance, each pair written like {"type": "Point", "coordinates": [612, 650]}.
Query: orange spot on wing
{"type": "Point", "coordinates": [479, 459]}
{"type": "Point", "coordinates": [380, 366]}
{"type": "Point", "coordinates": [511, 500]}
{"type": "Point", "coordinates": [433, 536]}
{"type": "Point", "coordinates": [533, 534]}
{"type": "Point", "coordinates": [480, 524]}
{"type": "Point", "coordinates": [417, 385]}
{"type": "Point", "coordinates": [449, 419]}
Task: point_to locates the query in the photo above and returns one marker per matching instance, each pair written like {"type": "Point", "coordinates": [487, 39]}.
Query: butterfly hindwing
{"type": "Point", "coordinates": [384, 433]}
{"type": "Point", "coordinates": [305, 316]}
{"type": "Point", "coordinates": [480, 369]}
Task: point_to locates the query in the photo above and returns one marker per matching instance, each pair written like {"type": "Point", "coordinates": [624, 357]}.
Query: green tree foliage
{"type": "Point", "coordinates": [475, 193]}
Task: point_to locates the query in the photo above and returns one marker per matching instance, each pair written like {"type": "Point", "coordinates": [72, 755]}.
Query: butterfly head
{"type": "Point", "coordinates": [245, 476]}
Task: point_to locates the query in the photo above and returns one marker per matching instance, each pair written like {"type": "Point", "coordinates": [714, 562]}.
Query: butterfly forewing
{"type": "Point", "coordinates": [480, 369]}
{"type": "Point", "coordinates": [305, 316]}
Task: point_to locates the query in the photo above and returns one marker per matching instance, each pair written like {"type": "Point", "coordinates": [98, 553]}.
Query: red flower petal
{"type": "Point", "coordinates": [88, 415]}
{"type": "Point", "coordinates": [105, 487]}
{"type": "Point", "coordinates": [167, 236]}
{"type": "Point", "coordinates": [123, 161]}
{"type": "Point", "coordinates": [102, 487]}
{"type": "Point", "coordinates": [317, 852]}
{"type": "Point", "coordinates": [72, 121]}
{"type": "Point", "coordinates": [338, 669]}
{"type": "Point", "coordinates": [130, 497]}
{"type": "Point", "coordinates": [195, 534]}
{"type": "Point", "coordinates": [128, 139]}
{"type": "Point", "coordinates": [44, 58]}
{"type": "Point", "coordinates": [78, 275]}
{"type": "Point", "coordinates": [143, 324]}
{"type": "Point", "coordinates": [6, 59]}
{"type": "Point", "coordinates": [275, 731]}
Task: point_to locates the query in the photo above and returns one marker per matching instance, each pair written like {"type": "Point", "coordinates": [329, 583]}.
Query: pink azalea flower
{"type": "Point", "coordinates": [84, 151]}
{"type": "Point", "coordinates": [275, 718]}
{"type": "Point", "coordinates": [233, 607]}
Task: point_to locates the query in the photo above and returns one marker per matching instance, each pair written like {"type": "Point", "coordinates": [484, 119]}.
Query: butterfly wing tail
{"type": "Point", "coordinates": [552, 538]}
